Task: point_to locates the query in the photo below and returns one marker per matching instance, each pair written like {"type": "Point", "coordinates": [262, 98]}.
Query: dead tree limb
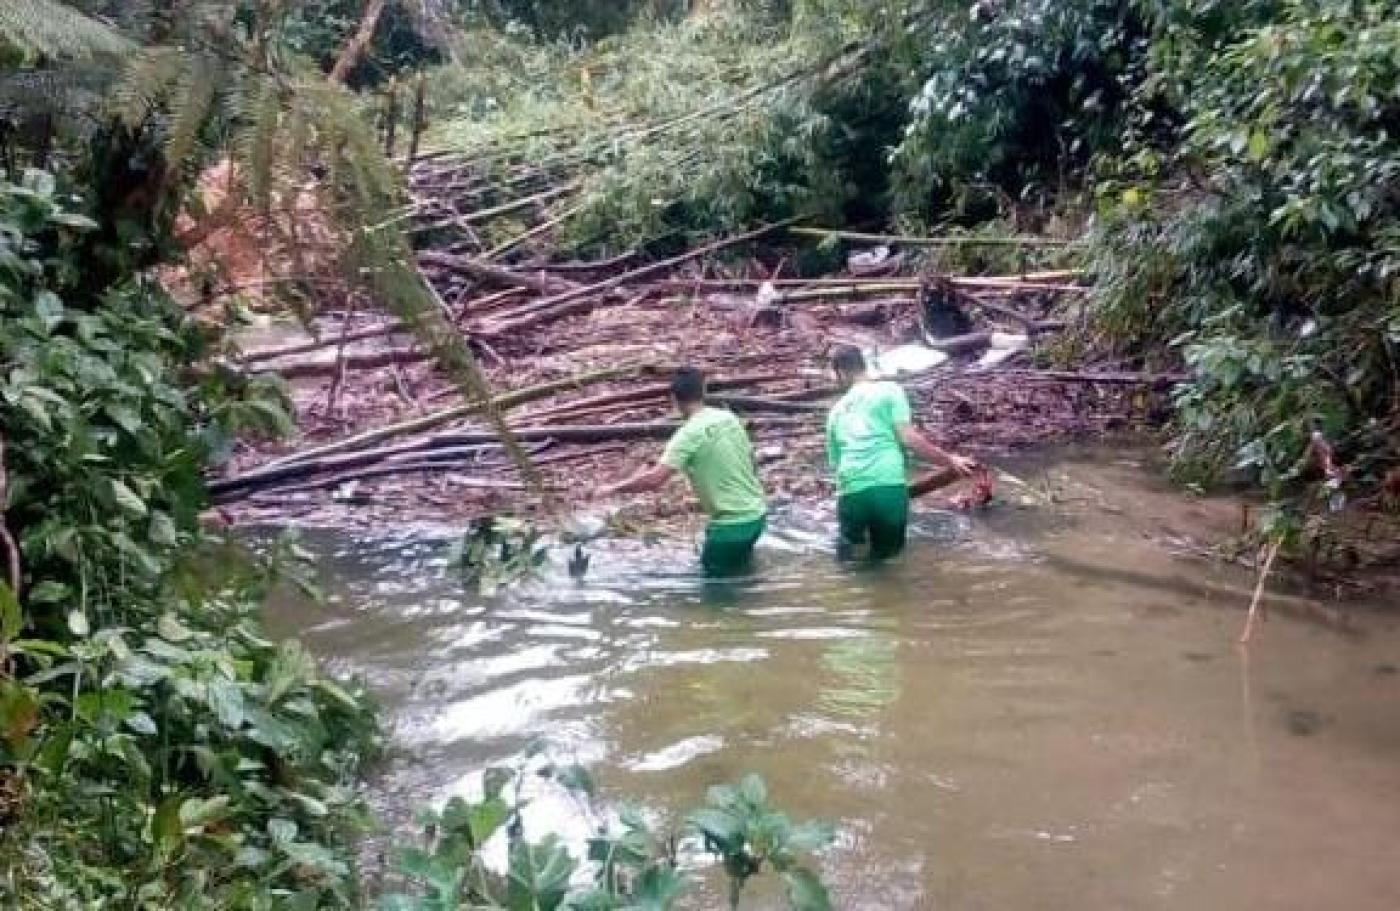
{"type": "Point", "coordinates": [540, 283]}
{"type": "Point", "coordinates": [438, 418]}
{"type": "Point", "coordinates": [355, 48]}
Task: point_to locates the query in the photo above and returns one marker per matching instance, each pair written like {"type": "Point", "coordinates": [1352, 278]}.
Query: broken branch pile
{"type": "Point", "coordinates": [578, 353]}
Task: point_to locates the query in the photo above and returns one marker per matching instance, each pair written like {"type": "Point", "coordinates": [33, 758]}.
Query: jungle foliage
{"type": "Point", "coordinates": [155, 749]}
{"type": "Point", "coordinates": [1233, 163]}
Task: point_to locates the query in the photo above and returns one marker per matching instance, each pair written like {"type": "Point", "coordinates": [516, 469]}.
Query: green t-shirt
{"type": "Point", "coordinates": [862, 438]}
{"type": "Point", "coordinates": [714, 452]}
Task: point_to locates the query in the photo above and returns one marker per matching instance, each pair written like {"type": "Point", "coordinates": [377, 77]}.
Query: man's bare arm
{"type": "Point", "coordinates": [918, 442]}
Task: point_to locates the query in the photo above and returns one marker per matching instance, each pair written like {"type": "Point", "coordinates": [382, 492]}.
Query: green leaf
{"type": "Point", "coordinates": [576, 778]}
{"type": "Point", "coordinates": [127, 499]}
{"type": "Point", "coordinates": [171, 629]}
{"type": "Point", "coordinates": [162, 530]}
{"type": "Point", "coordinates": [720, 825]}
{"type": "Point", "coordinates": [657, 889]}
{"type": "Point", "coordinates": [810, 836]}
{"type": "Point", "coordinates": [226, 699]}
{"type": "Point", "coordinates": [486, 818]}
{"type": "Point", "coordinates": [280, 830]}
{"type": "Point", "coordinates": [49, 592]}
{"type": "Point", "coordinates": [539, 875]}
{"type": "Point", "coordinates": [198, 813]}
{"type": "Point", "coordinates": [74, 220]}
{"type": "Point", "coordinates": [1258, 146]}
{"type": "Point", "coordinates": [806, 891]}
{"type": "Point", "coordinates": [49, 309]}
{"type": "Point", "coordinates": [495, 780]}
{"type": "Point", "coordinates": [11, 614]}
{"type": "Point", "coordinates": [166, 829]}
{"type": "Point", "coordinates": [19, 713]}
{"type": "Point", "coordinates": [753, 790]}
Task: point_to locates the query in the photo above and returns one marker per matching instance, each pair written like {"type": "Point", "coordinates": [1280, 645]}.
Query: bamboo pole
{"type": "Point", "coordinates": [438, 418]}
{"type": "Point", "coordinates": [420, 120]}
{"type": "Point", "coordinates": [946, 241]}
{"type": "Point", "coordinates": [1248, 632]}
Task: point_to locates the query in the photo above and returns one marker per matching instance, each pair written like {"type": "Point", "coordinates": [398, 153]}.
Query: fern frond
{"type": "Point", "coordinates": [255, 110]}
{"type": "Point", "coordinates": [57, 30]}
{"type": "Point", "coordinates": [189, 110]}
{"type": "Point", "coordinates": [148, 83]}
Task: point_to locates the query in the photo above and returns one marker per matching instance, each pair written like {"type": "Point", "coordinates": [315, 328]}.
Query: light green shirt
{"type": "Point", "coordinates": [714, 452]}
{"type": "Point", "coordinates": [862, 437]}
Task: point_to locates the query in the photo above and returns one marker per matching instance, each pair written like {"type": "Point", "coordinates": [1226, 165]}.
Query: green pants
{"type": "Point", "coordinates": [878, 516]}
{"type": "Point", "coordinates": [728, 547]}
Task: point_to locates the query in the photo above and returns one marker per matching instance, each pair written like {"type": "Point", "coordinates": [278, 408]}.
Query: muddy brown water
{"type": "Point", "coordinates": [1040, 707]}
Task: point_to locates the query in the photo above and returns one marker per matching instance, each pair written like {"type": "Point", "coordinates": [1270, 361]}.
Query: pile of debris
{"type": "Point", "coordinates": [577, 355]}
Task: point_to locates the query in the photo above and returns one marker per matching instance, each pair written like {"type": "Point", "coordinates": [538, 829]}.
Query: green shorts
{"type": "Point", "coordinates": [729, 547]}
{"type": "Point", "coordinates": [877, 516]}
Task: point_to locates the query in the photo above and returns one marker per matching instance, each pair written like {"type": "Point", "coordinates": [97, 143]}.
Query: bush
{"type": "Point", "coordinates": [155, 750]}
{"type": "Point", "coordinates": [1276, 273]}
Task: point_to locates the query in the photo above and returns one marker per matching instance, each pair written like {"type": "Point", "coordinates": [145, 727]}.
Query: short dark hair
{"type": "Point", "coordinates": [688, 386]}
{"type": "Point", "coordinates": [847, 359]}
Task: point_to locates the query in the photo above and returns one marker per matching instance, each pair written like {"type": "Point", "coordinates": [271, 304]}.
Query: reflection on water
{"type": "Point", "coordinates": [1037, 708]}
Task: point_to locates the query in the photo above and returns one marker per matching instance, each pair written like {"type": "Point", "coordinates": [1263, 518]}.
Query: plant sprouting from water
{"type": "Point", "coordinates": [634, 867]}
{"type": "Point", "coordinates": [749, 835]}
{"type": "Point", "coordinates": [497, 551]}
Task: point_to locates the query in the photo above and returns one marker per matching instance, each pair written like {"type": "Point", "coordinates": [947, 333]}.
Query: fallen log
{"type": "Point", "coordinates": [1154, 380]}
{"type": "Point", "coordinates": [763, 403]}
{"type": "Point", "coordinates": [371, 361]}
{"type": "Point", "coordinates": [267, 475]}
{"type": "Point", "coordinates": [646, 394]}
{"type": "Point", "coordinates": [389, 471]}
{"type": "Point", "coordinates": [955, 240]}
{"type": "Point", "coordinates": [359, 335]}
{"type": "Point", "coordinates": [976, 341]}
{"type": "Point", "coordinates": [437, 418]}
{"type": "Point", "coordinates": [540, 282]}
{"type": "Point", "coordinates": [550, 304]}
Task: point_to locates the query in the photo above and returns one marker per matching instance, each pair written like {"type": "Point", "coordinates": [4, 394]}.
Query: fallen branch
{"type": "Point", "coordinates": [625, 278]}
{"type": "Point", "coordinates": [945, 241]}
{"type": "Point", "coordinates": [355, 48]}
{"type": "Point", "coordinates": [13, 572]}
{"type": "Point", "coordinates": [438, 418]}
{"type": "Point", "coordinates": [1154, 380]}
{"type": "Point", "coordinates": [1248, 632]}
{"type": "Point", "coordinates": [540, 283]}
{"type": "Point", "coordinates": [359, 335]}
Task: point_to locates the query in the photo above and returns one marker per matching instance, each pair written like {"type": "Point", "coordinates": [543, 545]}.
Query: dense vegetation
{"type": "Point", "coordinates": [1233, 164]}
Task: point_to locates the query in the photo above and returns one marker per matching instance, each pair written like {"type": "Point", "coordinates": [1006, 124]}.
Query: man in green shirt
{"type": "Point", "coordinates": [711, 449]}
{"type": "Point", "coordinates": [867, 434]}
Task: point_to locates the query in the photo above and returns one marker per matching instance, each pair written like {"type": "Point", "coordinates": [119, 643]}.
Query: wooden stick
{"type": "Point", "coordinates": [1254, 602]}
{"type": "Point", "coordinates": [541, 283]}
{"type": "Point", "coordinates": [419, 117]}
{"type": "Point", "coordinates": [438, 418]}
{"type": "Point", "coordinates": [663, 266]}
{"type": "Point", "coordinates": [355, 48]}
{"type": "Point", "coordinates": [1154, 380]}
{"type": "Point", "coordinates": [359, 335]}
{"type": "Point", "coordinates": [946, 241]}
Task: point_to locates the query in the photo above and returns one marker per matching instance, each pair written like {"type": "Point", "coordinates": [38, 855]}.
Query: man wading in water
{"type": "Point", "coordinates": [867, 434]}
{"type": "Point", "coordinates": [713, 451]}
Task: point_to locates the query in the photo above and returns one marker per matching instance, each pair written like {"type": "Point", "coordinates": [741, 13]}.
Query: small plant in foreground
{"type": "Point", "coordinates": [634, 869]}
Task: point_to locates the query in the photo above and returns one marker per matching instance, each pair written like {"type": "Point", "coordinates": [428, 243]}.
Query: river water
{"type": "Point", "coordinates": [1040, 707]}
